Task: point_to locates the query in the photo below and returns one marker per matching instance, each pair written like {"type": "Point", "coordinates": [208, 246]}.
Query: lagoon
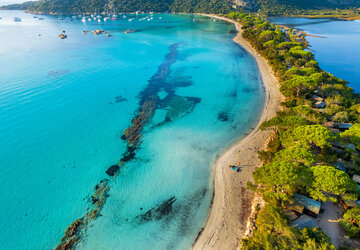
{"type": "Point", "coordinates": [337, 53]}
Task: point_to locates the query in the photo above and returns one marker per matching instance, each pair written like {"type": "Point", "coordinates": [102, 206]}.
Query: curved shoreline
{"type": "Point", "coordinates": [231, 204]}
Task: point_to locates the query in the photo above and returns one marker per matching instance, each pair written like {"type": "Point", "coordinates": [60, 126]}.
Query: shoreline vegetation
{"type": "Point", "coordinates": [341, 10]}
{"type": "Point", "coordinates": [310, 156]}
{"type": "Point", "coordinates": [231, 206]}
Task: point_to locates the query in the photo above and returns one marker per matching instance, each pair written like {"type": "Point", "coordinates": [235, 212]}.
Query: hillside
{"type": "Point", "coordinates": [266, 7]}
{"type": "Point", "coordinates": [100, 6]}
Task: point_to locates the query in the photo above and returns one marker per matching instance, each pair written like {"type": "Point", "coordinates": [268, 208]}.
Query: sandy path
{"type": "Point", "coordinates": [231, 206]}
{"type": "Point", "coordinates": [329, 222]}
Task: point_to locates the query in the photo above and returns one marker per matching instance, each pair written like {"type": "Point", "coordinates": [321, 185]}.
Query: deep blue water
{"type": "Point", "coordinates": [337, 53]}
{"type": "Point", "coordinates": [64, 105]}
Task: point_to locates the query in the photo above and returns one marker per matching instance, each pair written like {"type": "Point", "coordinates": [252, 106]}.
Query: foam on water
{"type": "Point", "coordinates": [65, 103]}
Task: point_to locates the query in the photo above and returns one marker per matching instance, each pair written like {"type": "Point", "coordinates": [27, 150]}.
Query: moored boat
{"type": "Point", "coordinates": [17, 19]}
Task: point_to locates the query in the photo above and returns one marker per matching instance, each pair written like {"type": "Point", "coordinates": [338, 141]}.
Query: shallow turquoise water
{"type": "Point", "coordinates": [337, 53]}
{"type": "Point", "coordinates": [61, 122]}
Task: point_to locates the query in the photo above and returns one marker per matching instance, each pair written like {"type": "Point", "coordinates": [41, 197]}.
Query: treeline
{"type": "Point", "coordinates": [264, 7]}
{"type": "Point", "coordinates": [300, 7]}
{"type": "Point", "coordinates": [306, 148]}
{"type": "Point", "coordinates": [116, 6]}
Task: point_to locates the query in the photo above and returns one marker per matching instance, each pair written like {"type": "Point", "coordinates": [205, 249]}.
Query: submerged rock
{"type": "Point", "coordinates": [223, 116]}
{"type": "Point", "coordinates": [119, 98]}
{"type": "Point", "coordinates": [98, 32]}
{"type": "Point", "coordinates": [74, 232]}
{"type": "Point", "coordinates": [62, 36]}
{"type": "Point", "coordinates": [158, 212]}
{"type": "Point", "coordinates": [111, 171]}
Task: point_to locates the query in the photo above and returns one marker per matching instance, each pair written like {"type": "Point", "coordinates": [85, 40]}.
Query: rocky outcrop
{"type": "Point", "coordinates": [74, 232]}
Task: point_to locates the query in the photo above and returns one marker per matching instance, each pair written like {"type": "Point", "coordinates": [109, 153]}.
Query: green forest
{"type": "Point", "coordinates": [305, 150]}
{"type": "Point", "coordinates": [265, 7]}
{"type": "Point", "coordinates": [111, 6]}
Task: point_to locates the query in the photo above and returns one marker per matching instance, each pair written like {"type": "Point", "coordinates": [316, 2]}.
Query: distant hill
{"type": "Point", "coordinates": [267, 7]}
{"type": "Point", "coordinates": [21, 6]}
{"type": "Point", "coordinates": [100, 6]}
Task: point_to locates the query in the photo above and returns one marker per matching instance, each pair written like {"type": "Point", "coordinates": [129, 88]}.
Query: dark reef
{"type": "Point", "coordinates": [148, 103]}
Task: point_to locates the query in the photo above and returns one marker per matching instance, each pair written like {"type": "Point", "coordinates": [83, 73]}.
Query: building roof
{"type": "Point", "coordinates": [308, 203]}
{"type": "Point", "coordinates": [344, 125]}
{"type": "Point", "coordinates": [304, 221]}
{"type": "Point", "coordinates": [356, 178]}
{"type": "Point", "coordinates": [340, 166]}
{"type": "Point", "coordinates": [295, 206]}
{"type": "Point", "coordinates": [290, 214]}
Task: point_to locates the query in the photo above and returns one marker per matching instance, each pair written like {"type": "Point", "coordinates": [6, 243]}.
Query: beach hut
{"type": "Point", "coordinates": [304, 221]}
{"type": "Point", "coordinates": [311, 207]}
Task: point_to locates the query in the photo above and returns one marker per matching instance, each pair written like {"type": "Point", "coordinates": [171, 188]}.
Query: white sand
{"type": "Point", "coordinates": [231, 207]}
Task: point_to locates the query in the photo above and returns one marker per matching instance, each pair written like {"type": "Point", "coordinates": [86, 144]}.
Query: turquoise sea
{"type": "Point", "coordinates": [337, 53]}
{"type": "Point", "coordinates": [64, 105]}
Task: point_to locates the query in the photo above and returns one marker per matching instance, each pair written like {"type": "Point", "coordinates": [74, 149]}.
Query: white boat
{"type": "Point", "coordinates": [99, 20]}
{"type": "Point", "coordinates": [83, 20]}
{"type": "Point", "coordinates": [41, 18]}
{"type": "Point", "coordinates": [17, 19]}
{"type": "Point", "coordinates": [35, 17]}
{"type": "Point", "coordinates": [106, 18]}
{"type": "Point", "coordinates": [89, 19]}
{"type": "Point", "coordinates": [74, 17]}
{"type": "Point", "coordinates": [98, 17]}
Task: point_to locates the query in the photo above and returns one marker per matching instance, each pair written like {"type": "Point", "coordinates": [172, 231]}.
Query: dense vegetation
{"type": "Point", "coordinates": [343, 8]}
{"type": "Point", "coordinates": [306, 148]}
{"type": "Point", "coordinates": [304, 7]}
{"type": "Point", "coordinates": [274, 232]}
{"type": "Point", "coordinates": [111, 6]}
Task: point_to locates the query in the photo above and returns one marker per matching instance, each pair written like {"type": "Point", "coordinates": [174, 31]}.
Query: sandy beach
{"type": "Point", "coordinates": [231, 206]}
